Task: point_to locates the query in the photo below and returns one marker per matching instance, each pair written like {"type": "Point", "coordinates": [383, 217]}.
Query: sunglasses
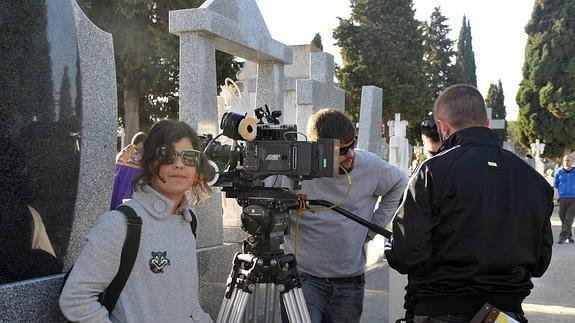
{"type": "Point", "coordinates": [344, 150]}
{"type": "Point", "coordinates": [190, 157]}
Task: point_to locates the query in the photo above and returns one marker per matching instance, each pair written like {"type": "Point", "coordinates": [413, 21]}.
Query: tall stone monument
{"type": "Point", "coordinates": [370, 119]}
{"type": "Point", "coordinates": [58, 104]}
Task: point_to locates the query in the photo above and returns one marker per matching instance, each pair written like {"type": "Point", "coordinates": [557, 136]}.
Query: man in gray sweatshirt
{"type": "Point", "coordinates": [329, 247]}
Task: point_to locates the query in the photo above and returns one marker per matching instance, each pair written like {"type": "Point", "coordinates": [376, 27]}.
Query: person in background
{"type": "Point", "coordinates": [430, 136]}
{"type": "Point", "coordinates": [474, 225]}
{"type": "Point", "coordinates": [329, 247]}
{"type": "Point", "coordinates": [430, 139]}
{"type": "Point", "coordinates": [163, 284]}
{"type": "Point", "coordinates": [127, 167]}
{"type": "Point", "coordinates": [564, 182]}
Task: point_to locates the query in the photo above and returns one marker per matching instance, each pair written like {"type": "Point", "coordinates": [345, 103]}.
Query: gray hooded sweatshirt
{"type": "Point", "coordinates": [163, 284]}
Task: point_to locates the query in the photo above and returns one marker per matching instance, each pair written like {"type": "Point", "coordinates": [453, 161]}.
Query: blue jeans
{"type": "Point", "coordinates": [331, 300]}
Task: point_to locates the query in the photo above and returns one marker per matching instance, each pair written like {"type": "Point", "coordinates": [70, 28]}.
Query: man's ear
{"type": "Point", "coordinates": [444, 129]}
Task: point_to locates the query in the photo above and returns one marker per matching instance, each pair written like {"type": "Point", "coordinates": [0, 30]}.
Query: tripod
{"type": "Point", "coordinates": [248, 271]}
{"type": "Point", "coordinates": [265, 217]}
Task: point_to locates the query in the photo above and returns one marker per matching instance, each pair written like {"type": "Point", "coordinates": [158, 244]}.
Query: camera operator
{"type": "Point", "coordinates": [474, 224]}
{"type": "Point", "coordinates": [329, 247]}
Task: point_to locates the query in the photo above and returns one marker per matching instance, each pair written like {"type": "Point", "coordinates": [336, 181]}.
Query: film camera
{"type": "Point", "coordinates": [260, 150]}
{"type": "Point", "coordinates": [263, 149]}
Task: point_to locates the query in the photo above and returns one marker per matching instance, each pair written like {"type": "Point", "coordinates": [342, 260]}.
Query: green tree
{"type": "Point", "coordinates": [496, 101]}
{"type": "Point", "coordinates": [317, 41]}
{"type": "Point", "coordinates": [546, 95]}
{"type": "Point", "coordinates": [147, 57]}
{"type": "Point", "coordinates": [439, 52]}
{"type": "Point", "coordinates": [465, 58]}
{"type": "Point", "coordinates": [381, 45]}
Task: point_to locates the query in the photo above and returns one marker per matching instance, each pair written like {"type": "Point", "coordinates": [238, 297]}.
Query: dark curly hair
{"type": "Point", "coordinates": [165, 133]}
{"type": "Point", "coordinates": [332, 124]}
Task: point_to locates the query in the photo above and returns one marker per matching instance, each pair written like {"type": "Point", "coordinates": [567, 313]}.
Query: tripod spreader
{"type": "Point", "coordinates": [376, 228]}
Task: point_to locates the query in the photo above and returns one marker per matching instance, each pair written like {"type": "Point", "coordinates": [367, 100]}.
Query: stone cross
{"type": "Point", "coordinates": [318, 91]}
{"type": "Point", "coordinates": [399, 148]}
{"type": "Point", "coordinates": [370, 119]}
{"type": "Point", "coordinates": [536, 150]}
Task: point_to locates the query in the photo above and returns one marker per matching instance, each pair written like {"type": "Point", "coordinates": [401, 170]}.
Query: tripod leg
{"type": "Point", "coordinates": [255, 295]}
{"type": "Point", "coordinates": [300, 299]}
{"type": "Point", "coordinates": [238, 307]}
{"type": "Point", "coordinates": [233, 308]}
{"type": "Point", "coordinates": [276, 316]}
{"type": "Point", "coordinates": [269, 303]}
{"type": "Point", "coordinates": [296, 307]}
{"type": "Point", "coordinates": [226, 307]}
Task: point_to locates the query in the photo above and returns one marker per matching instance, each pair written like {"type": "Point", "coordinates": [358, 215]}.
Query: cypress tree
{"type": "Point", "coordinates": [496, 101]}
{"type": "Point", "coordinates": [381, 45]}
{"type": "Point", "coordinates": [439, 69]}
{"type": "Point", "coordinates": [317, 41]}
{"type": "Point", "coordinates": [546, 95]}
{"type": "Point", "coordinates": [465, 59]}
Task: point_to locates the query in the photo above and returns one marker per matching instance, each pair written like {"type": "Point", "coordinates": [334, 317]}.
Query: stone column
{"type": "Point", "coordinates": [198, 92]}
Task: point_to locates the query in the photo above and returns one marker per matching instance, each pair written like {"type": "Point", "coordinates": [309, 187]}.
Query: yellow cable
{"type": "Point", "coordinates": [302, 208]}
{"type": "Point", "coordinates": [342, 198]}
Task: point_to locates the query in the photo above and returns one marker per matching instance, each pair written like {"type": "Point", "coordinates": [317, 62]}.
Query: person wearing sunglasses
{"type": "Point", "coordinates": [474, 224]}
{"type": "Point", "coordinates": [329, 248]}
{"type": "Point", "coordinates": [163, 283]}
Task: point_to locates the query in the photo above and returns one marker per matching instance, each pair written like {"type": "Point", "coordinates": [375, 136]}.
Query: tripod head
{"type": "Point", "coordinates": [265, 217]}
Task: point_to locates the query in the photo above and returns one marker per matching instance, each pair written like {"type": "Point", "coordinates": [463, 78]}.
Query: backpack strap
{"type": "Point", "coordinates": [194, 224]}
{"type": "Point", "coordinates": [127, 260]}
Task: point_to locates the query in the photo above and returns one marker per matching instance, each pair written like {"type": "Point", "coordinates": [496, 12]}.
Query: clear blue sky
{"type": "Point", "coordinates": [497, 28]}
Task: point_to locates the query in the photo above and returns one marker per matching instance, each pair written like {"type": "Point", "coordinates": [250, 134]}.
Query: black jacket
{"type": "Point", "coordinates": [474, 227]}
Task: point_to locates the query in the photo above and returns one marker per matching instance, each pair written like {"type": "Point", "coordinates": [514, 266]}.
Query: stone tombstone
{"type": "Point", "coordinates": [235, 27]}
{"type": "Point", "coordinates": [57, 129]}
{"type": "Point", "coordinates": [299, 69]}
{"type": "Point", "coordinates": [370, 119]}
{"type": "Point", "coordinates": [399, 148]}
{"type": "Point", "coordinates": [319, 91]}
{"type": "Point", "coordinates": [537, 149]}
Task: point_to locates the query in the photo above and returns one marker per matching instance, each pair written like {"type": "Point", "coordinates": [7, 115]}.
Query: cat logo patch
{"type": "Point", "coordinates": [159, 261]}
